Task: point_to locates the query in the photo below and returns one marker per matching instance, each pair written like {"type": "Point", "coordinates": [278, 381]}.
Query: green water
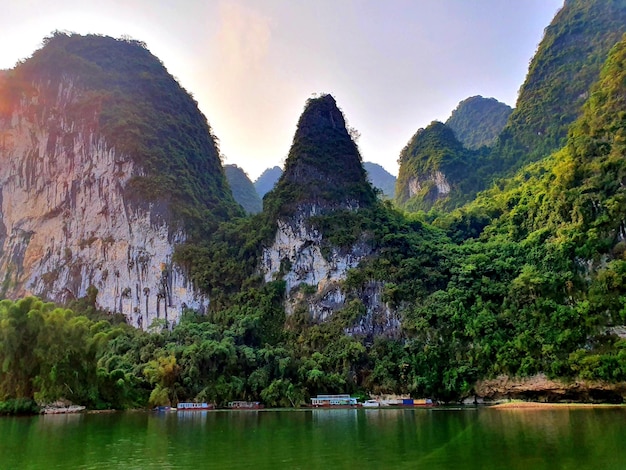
{"type": "Point", "coordinates": [430, 439]}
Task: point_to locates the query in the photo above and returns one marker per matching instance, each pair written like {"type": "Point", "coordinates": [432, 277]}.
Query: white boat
{"type": "Point", "coordinates": [371, 404]}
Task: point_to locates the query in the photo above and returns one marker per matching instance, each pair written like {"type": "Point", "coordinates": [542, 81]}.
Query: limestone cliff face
{"type": "Point", "coordinates": [314, 279]}
{"type": "Point", "coordinates": [65, 223]}
{"type": "Point", "coordinates": [323, 177]}
{"type": "Point", "coordinates": [296, 257]}
{"type": "Point", "coordinates": [435, 183]}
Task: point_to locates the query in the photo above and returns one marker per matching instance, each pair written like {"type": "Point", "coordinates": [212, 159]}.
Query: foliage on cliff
{"type": "Point", "coordinates": [376, 175]}
{"type": "Point", "coordinates": [542, 288]}
{"type": "Point", "coordinates": [324, 172]}
{"type": "Point", "coordinates": [141, 111]}
{"type": "Point", "coordinates": [243, 190]}
{"type": "Point", "coordinates": [534, 282]}
{"type": "Point", "coordinates": [478, 121]}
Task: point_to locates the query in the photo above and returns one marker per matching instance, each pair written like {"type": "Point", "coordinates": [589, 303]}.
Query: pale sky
{"type": "Point", "coordinates": [392, 65]}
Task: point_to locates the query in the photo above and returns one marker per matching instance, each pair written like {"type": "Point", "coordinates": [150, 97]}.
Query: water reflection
{"type": "Point", "coordinates": [346, 438]}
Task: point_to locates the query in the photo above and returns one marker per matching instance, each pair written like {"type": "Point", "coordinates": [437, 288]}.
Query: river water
{"type": "Point", "coordinates": [433, 439]}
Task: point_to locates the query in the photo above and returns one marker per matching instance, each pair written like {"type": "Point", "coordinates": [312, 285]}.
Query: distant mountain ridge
{"type": "Point", "coordinates": [243, 190]}
{"type": "Point", "coordinates": [381, 179]}
{"type": "Point", "coordinates": [268, 179]}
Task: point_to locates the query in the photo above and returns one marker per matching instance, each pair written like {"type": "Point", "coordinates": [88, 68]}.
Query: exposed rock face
{"type": "Point", "coordinates": [436, 181]}
{"type": "Point", "coordinates": [296, 256]}
{"type": "Point", "coordinates": [380, 319]}
{"type": "Point", "coordinates": [540, 388]}
{"type": "Point", "coordinates": [65, 223]}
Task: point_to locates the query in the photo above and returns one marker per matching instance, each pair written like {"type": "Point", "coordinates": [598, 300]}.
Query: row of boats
{"type": "Point", "coordinates": [321, 401]}
{"type": "Point", "coordinates": [347, 400]}
{"type": "Point", "coordinates": [193, 406]}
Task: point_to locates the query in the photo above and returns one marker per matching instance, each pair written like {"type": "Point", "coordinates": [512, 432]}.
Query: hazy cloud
{"type": "Point", "coordinates": [243, 39]}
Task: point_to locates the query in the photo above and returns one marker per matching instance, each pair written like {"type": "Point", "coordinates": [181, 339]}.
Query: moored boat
{"type": "Point", "coordinates": [162, 409]}
{"type": "Point", "coordinates": [189, 406]}
{"type": "Point", "coordinates": [423, 402]}
{"type": "Point", "coordinates": [245, 405]}
{"type": "Point", "coordinates": [333, 400]}
{"type": "Point", "coordinates": [371, 404]}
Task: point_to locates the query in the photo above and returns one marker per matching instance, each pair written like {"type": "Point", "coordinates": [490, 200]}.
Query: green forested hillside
{"type": "Point", "coordinates": [567, 63]}
{"type": "Point", "coordinates": [478, 121]}
{"type": "Point", "coordinates": [323, 166]}
{"type": "Point", "coordinates": [557, 229]}
{"type": "Point", "coordinates": [243, 189]}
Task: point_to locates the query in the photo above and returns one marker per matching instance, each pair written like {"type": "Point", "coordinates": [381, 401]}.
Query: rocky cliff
{"type": "Point", "coordinates": [76, 210]}
{"type": "Point", "coordinates": [324, 183]}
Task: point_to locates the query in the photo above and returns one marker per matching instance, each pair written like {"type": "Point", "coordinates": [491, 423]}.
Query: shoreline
{"type": "Point", "coordinates": [513, 405]}
{"type": "Point", "coordinates": [531, 405]}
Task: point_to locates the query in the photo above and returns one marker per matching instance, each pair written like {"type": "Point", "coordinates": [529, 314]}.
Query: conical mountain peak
{"type": "Point", "coordinates": [324, 166]}
{"type": "Point", "coordinates": [321, 115]}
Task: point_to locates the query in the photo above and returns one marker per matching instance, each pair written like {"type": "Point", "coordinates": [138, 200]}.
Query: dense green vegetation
{"type": "Point", "coordinates": [168, 137]}
{"type": "Point", "coordinates": [527, 279]}
{"type": "Point", "coordinates": [376, 175]}
{"type": "Point", "coordinates": [567, 63]}
{"type": "Point", "coordinates": [243, 190]}
{"type": "Point", "coordinates": [556, 238]}
{"type": "Point", "coordinates": [478, 121]}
